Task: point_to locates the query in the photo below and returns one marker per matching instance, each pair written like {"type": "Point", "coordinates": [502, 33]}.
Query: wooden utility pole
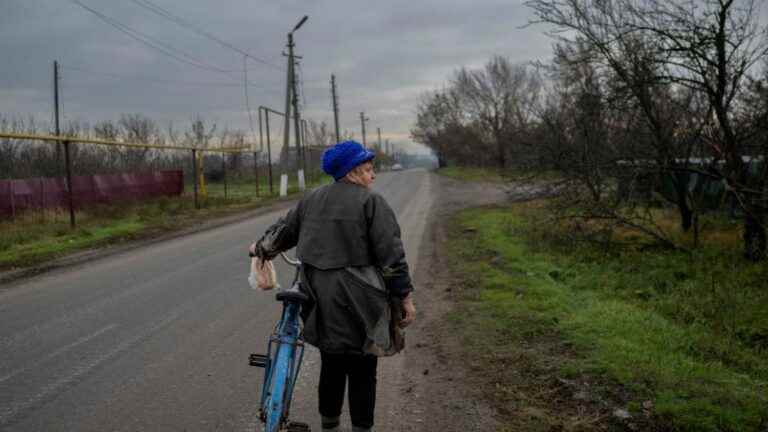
{"type": "Point", "coordinates": [269, 152]}
{"type": "Point", "coordinates": [363, 119]}
{"type": "Point", "coordinates": [67, 160]}
{"type": "Point", "coordinates": [56, 99]}
{"type": "Point", "coordinates": [56, 109]}
{"type": "Point", "coordinates": [335, 107]}
{"type": "Point", "coordinates": [288, 87]}
{"type": "Point", "coordinates": [291, 91]}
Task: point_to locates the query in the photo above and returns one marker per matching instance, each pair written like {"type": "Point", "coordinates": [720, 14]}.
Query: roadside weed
{"type": "Point", "coordinates": [684, 334]}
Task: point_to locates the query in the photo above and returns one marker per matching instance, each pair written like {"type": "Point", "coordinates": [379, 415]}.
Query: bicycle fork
{"type": "Point", "coordinates": [282, 368]}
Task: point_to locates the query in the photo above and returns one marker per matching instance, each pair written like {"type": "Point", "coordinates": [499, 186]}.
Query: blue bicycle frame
{"type": "Point", "coordinates": [282, 362]}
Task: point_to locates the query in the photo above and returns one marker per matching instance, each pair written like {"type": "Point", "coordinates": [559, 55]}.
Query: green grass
{"type": "Point", "coordinates": [689, 333]}
{"type": "Point", "coordinates": [37, 236]}
{"type": "Point", "coordinates": [55, 243]}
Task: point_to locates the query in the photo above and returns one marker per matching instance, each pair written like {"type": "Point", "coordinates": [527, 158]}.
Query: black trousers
{"type": "Point", "coordinates": [360, 369]}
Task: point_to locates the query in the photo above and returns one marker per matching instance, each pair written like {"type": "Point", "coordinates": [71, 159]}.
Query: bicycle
{"type": "Point", "coordinates": [282, 362]}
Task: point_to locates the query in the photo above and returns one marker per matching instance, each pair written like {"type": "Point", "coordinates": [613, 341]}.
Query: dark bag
{"type": "Point", "coordinates": [396, 334]}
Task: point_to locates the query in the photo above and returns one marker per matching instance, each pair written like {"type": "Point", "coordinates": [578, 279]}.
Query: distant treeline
{"type": "Point", "coordinates": [21, 158]}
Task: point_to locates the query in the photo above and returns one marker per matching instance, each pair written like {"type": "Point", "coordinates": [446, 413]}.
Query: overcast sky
{"type": "Point", "coordinates": [385, 54]}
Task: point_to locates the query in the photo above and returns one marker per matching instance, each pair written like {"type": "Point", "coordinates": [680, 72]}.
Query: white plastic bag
{"type": "Point", "coordinates": [262, 275]}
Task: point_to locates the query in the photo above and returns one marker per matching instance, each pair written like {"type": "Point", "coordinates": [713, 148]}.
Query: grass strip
{"type": "Point", "coordinates": [624, 327]}
{"type": "Point", "coordinates": [38, 236]}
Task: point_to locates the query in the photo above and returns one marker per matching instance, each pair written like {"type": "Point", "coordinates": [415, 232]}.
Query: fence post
{"type": "Point", "coordinates": [256, 170]}
{"type": "Point", "coordinates": [70, 193]}
{"type": "Point", "coordinates": [256, 154]}
{"type": "Point", "coordinates": [194, 176]}
{"type": "Point", "coordinates": [13, 202]}
{"type": "Point", "coordinates": [224, 172]}
{"type": "Point", "coordinates": [269, 151]}
{"type": "Point", "coordinates": [42, 198]}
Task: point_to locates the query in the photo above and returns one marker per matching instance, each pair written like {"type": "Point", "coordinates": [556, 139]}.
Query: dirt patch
{"type": "Point", "coordinates": [512, 387]}
{"type": "Point", "coordinates": [437, 392]}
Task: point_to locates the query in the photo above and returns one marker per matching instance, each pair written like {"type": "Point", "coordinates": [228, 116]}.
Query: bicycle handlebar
{"type": "Point", "coordinates": [291, 261]}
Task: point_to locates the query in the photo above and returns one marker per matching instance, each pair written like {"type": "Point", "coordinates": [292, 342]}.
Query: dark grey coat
{"type": "Point", "coordinates": [354, 272]}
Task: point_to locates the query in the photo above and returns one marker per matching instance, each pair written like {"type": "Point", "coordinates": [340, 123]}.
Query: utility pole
{"type": "Point", "coordinates": [269, 151]}
{"type": "Point", "coordinates": [378, 131]}
{"type": "Point", "coordinates": [291, 91]}
{"type": "Point", "coordinates": [288, 87]}
{"type": "Point", "coordinates": [67, 160]}
{"type": "Point", "coordinates": [363, 119]}
{"type": "Point", "coordinates": [296, 121]}
{"type": "Point", "coordinates": [56, 96]}
{"type": "Point", "coordinates": [335, 107]}
{"type": "Point", "coordinates": [56, 108]}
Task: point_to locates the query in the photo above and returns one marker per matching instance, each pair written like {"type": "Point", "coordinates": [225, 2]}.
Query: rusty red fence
{"type": "Point", "coordinates": [40, 193]}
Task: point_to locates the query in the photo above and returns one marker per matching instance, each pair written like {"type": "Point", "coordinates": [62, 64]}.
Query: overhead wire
{"type": "Point", "coordinates": [153, 7]}
{"type": "Point", "coordinates": [66, 84]}
{"type": "Point", "coordinates": [152, 42]}
{"type": "Point", "coordinates": [188, 25]}
{"type": "Point", "coordinates": [178, 54]}
{"type": "Point", "coordinates": [164, 81]}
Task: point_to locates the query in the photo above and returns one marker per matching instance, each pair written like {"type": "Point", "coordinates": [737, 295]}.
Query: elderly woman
{"type": "Point", "coordinates": [355, 274]}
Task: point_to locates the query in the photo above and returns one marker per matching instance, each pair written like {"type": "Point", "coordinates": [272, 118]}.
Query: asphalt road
{"type": "Point", "coordinates": [157, 338]}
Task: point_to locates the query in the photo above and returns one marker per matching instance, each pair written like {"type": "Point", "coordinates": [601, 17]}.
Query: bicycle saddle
{"type": "Point", "coordinates": [292, 295]}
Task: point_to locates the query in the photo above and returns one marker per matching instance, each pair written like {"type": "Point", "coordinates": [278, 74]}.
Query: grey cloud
{"type": "Point", "coordinates": [384, 54]}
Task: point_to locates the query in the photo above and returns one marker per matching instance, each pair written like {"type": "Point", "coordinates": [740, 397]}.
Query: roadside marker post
{"type": "Point", "coordinates": [283, 185]}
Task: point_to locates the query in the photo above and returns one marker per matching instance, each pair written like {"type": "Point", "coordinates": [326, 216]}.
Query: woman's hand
{"type": "Point", "coordinates": [409, 311]}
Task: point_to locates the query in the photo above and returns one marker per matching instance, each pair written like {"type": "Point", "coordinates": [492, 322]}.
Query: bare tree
{"type": "Point", "coordinates": [500, 99]}
{"type": "Point", "coordinates": [442, 126]}
{"type": "Point", "coordinates": [319, 134]}
{"type": "Point", "coordinates": [199, 135]}
{"type": "Point", "coordinates": [136, 128]}
{"type": "Point", "coordinates": [237, 140]}
{"type": "Point", "coordinates": [708, 47]}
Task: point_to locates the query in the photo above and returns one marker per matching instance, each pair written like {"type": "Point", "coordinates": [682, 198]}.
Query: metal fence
{"type": "Point", "coordinates": [87, 173]}
{"type": "Point", "coordinates": [22, 195]}
{"type": "Point", "coordinates": [130, 160]}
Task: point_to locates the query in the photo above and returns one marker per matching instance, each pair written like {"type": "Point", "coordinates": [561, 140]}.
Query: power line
{"type": "Point", "coordinates": [152, 42]}
{"type": "Point", "coordinates": [164, 81]}
{"type": "Point", "coordinates": [188, 25]}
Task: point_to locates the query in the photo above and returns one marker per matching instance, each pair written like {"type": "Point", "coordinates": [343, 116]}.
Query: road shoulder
{"type": "Point", "coordinates": [436, 390]}
{"type": "Point", "coordinates": [9, 277]}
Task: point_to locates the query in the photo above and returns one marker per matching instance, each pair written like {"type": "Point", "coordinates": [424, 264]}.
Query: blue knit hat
{"type": "Point", "coordinates": [343, 157]}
